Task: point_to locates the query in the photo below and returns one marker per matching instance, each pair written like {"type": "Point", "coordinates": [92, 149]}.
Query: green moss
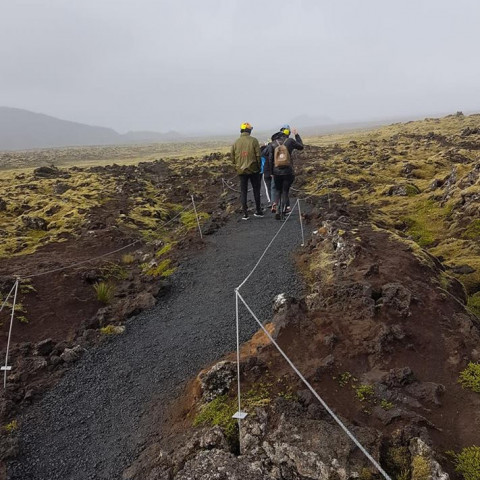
{"type": "Point", "coordinates": [166, 248]}
{"type": "Point", "coordinates": [189, 219]}
{"type": "Point", "coordinates": [11, 427]}
{"type": "Point", "coordinates": [473, 303]}
{"type": "Point", "coordinates": [219, 412]}
{"type": "Point", "coordinates": [467, 462]}
{"type": "Point", "coordinates": [160, 270]}
{"type": "Point", "coordinates": [470, 377]}
{"type": "Point", "coordinates": [472, 231]}
{"type": "Point", "coordinates": [421, 469]}
{"type": "Point", "coordinates": [386, 405]}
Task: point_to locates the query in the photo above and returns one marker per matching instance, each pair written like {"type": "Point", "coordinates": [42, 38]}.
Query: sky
{"type": "Point", "coordinates": [208, 66]}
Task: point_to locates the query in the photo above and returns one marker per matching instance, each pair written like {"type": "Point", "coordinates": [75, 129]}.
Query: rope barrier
{"type": "Point", "coordinates": [83, 262]}
{"type": "Point", "coordinates": [268, 246]}
{"type": "Point", "coordinates": [6, 368]}
{"type": "Point", "coordinates": [317, 396]}
{"type": "Point", "coordinates": [8, 296]}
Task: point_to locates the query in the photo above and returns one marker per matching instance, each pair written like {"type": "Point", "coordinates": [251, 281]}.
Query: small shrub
{"type": "Point", "coordinates": [386, 405]}
{"type": "Point", "coordinates": [110, 330]}
{"type": "Point", "coordinates": [364, 393]}
{"type": "Point", "coordinates": [365, 474]}
{"type": "Point", "coordinates": [128, 258]}
{"type": "Point", "coordinates": [470, 377]}
{"type": "Point", "coordinates": [11, 427]}
{"type": "Point", "coordinates": [397, 462]}
{"type": "Point", "coordinates": [344, 378]}
{"type": "Point", "coordinates": [105, 291]}
{"type": "Point", "coordinates": [421, 469]}
{"type": "Point", "coordinates": [467, 462]}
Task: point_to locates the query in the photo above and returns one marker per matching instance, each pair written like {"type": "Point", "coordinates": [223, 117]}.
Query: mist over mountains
{"type": "Point", "coordinates": [22, 130]}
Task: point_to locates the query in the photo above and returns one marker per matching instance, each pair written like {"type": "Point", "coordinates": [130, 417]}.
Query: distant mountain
{"type": "Point", "coordinates": [22, 130]}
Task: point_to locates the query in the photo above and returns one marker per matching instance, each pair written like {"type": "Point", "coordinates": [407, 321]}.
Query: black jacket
{"type": "Point", "coordinates": [290, 143]}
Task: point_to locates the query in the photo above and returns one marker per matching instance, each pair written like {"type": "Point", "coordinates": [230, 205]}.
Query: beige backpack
{"type": "Point", "coordinates": [281, 156]}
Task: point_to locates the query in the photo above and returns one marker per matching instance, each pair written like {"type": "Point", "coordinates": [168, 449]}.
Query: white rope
{"type": "Point", "coordinates": [268, 246]}
{"type": "Point", "coordinates": [304, 380]}
{"type": "Point", "coordinates": [301, 222]}
{"type": "Point", "coordinates": [196, 216]}
{"type": "Point", "coordinates": [233, 189]}
{"type": "Point", "coordinates": [6, 367]}
{"type": "Point", "coordinates": [266, 189]}
{"type": "Point", "coordinates": [8, 296]}
{"type": "Point", "coordinates": [83, 262]}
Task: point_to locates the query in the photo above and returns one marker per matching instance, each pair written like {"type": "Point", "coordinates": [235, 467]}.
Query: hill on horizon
{"type": "Point", "coordinates": [22, 130]}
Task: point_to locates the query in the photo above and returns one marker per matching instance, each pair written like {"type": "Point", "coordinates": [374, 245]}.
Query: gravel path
{"type": "Point", "coordinates": [92, 424]}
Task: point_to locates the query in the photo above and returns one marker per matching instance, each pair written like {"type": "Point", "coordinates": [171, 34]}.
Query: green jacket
{"type": "Point", "coordinates": [246, 154]}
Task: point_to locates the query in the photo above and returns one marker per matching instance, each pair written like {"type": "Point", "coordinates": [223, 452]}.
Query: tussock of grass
{"type": "Point", "coordinates": [467, 462]}
{"type": "Point", "coordinates": [105, 292]}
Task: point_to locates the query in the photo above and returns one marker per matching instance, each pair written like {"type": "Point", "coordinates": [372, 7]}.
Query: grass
{"type": "Point", "coordinates": [467, 462]}
{"type": "Point", "coordinates": [163, 269]}
{"type": "Point", "coordinates": [470, 377]}
{"type": "Point", "coordinates": [421, 468]}
{"type": "Point", "coordinates": [105, 292]}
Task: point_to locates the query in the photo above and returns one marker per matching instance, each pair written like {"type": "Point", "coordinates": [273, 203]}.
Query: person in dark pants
{"type": "Point", "coordinates": [283, 175]}
{"type": "Point", "coordinates": [245, 154]}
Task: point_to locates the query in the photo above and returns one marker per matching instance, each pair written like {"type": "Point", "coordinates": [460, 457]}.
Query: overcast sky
{"type": "Point", "coordinates": [211, 64]}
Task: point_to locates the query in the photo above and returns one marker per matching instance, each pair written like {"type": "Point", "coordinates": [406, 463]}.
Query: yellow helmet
{"type": "Point", "coordinates": [245, 126]}
{"type": "Point", "coordinates": [285, 129]}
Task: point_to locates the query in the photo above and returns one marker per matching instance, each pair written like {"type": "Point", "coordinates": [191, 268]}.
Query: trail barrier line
{"type": "Point", "coordinates": [6, 367]}
{"type": "Point", "coordinates": [83, 262]}
{"type": "Point", "coordinates": [317, 396]}
{"type": "Point", "coordinates": [268, 246]}
{"type": "Point", "coordinates": [241, 415]}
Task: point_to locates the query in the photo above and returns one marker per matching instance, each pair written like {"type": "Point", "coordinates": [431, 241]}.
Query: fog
{"type": "Point", "coordinates": [207, 66]}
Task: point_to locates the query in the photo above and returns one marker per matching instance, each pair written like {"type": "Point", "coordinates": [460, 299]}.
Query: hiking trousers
{"type": "Point", "coordinates": [256, 181]}
{"type": "Point", "coordinates": [282, 187]}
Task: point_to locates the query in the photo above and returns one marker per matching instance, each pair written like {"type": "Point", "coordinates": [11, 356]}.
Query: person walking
{"type": "Point", "coordinates": [281, 164]}
{"type": "Point", "coordinates": [245, 155]}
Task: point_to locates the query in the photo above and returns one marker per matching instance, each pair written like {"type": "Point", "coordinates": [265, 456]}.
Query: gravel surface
{"type": "Point", "coordinates": [93, 423]}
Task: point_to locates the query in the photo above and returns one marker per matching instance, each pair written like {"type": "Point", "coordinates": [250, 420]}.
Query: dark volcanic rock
{"type": "Point", "coordinates": [217, 380]}
{"type": "Point", "coordinates": [35, 223]}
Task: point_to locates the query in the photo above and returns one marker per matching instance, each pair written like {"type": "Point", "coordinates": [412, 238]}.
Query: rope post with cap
{"type": "Point", "coordinates": [196, 216]}
{"type": "Point", "coordinates": [8, 367]}
{"type": "Point", "coordinates": [301, 223]}
{"type": "Point", "coordinates": [239, 415]}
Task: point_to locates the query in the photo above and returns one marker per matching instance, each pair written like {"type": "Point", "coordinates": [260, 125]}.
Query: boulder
{"type": "Point", "coordinates": [45, 347]}
{"type": "Point", "coordinates": [396, 297]}
{"type": "Point", "coordinates": [35, 223]}
{"type": "Point", "coordinates": [217, 380]}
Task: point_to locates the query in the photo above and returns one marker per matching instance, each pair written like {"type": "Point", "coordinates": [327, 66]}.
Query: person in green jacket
{"type": "Point", "coordinates": [246, 158]}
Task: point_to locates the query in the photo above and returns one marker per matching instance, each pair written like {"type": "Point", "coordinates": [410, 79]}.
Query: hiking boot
{"type": "Point", "coordinates": [245, 216]}
{"type": "Point", "coordinates": [288, 210]}
{"type": "Point", "coordinates": [274, 207]}
{"type": "Point", "coordinates": [258, 213]}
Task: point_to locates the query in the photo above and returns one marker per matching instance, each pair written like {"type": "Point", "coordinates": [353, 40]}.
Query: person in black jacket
{"type": "Point", "coordinates": [282, 177]}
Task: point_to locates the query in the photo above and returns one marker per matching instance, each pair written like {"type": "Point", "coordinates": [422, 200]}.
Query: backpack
{"type": "Point", "coordinates": [281, 156]}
